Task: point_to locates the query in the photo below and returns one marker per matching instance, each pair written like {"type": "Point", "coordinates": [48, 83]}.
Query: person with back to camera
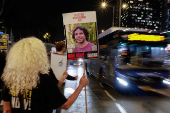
{"type": "Point", "coordinates": [80, 35]}
{"type": "Point", "coordinates": [61, 48]}
{"type": "Point", "coordinates": [28, 85]}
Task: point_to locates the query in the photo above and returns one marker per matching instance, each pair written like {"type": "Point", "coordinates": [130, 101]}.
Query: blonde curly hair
{"type": "Point", "coordinates": [25, 61]}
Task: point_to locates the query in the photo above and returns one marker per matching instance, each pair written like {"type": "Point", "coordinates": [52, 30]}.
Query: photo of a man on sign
{"type": "Point", "coordinates": [81, 35]}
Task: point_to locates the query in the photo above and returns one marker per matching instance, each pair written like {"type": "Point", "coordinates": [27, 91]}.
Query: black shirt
{"type": "Point", "coordinates": [42, 99]}
{"type": "Point", "coordinates": [69, 77]}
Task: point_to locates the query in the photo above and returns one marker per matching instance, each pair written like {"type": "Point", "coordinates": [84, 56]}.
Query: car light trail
{"type": "Point", "coordinates": [122, 81]}
{"type": "Point", "coordinates": [166, 81]}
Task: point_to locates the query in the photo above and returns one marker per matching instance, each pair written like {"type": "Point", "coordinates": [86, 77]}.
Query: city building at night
{"type": "Point", "coordinates": [145, 14]}
{"type": "Point", "coordinates": [168, 15]}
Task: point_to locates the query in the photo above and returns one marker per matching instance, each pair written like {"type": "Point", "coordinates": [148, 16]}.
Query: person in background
{"type": "Point", "coordinates": [2, 61]}
{"type": "Point", "coordinates": [28, 86]}
{"type": "Point", "coordinates": [2, 65]}
{"type": "Point", "coordinates": [80, 35]}
{"type": "Point", "coordinates": [61, 49]}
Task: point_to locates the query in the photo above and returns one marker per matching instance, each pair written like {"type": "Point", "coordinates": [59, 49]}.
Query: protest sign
{"type": "Point", "coordinates": [81, 35]}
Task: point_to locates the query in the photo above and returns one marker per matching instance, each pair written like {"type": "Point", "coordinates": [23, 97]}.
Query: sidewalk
{"type": "Point", "coordinates": [97, 100]}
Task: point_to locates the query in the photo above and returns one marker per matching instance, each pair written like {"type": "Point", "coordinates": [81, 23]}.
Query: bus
{"type": "Point", "coordinates": [131, 58]}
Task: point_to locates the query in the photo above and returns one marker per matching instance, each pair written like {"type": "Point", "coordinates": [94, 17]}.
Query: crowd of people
{"type": "Point", "coordinates": [29, 84]}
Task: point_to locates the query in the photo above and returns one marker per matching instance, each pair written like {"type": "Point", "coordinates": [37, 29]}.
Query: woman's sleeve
{"type": "Point", "coordinates": [53, 95]}
{"type": "Point", "coordinates": [5, 94]}
{"type": "Point", "coordinates": [69, 77]}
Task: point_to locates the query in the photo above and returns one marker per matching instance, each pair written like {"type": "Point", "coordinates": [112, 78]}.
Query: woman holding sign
{"type": "Point", "coordinates": [28, 86]}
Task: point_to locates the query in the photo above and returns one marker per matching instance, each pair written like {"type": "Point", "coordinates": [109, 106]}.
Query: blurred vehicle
{"type": "Point", "coordinates": [131, 58]}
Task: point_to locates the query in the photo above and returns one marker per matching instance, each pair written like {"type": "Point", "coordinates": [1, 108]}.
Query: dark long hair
{"type": "Point", "coordinates": [85, 30]}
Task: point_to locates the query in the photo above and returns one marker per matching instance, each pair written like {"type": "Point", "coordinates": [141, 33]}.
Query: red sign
{"type": "Point", "coordinates": [79, 16]}
{"type": "Point", "coordinates": [74, 56]}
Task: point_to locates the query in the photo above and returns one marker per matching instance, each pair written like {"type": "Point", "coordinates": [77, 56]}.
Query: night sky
{"type": "Point", "coordinates": [36, 17]}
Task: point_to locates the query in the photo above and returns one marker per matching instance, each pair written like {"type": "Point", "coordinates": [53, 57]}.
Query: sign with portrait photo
{"type": "Point", "coordinates": [81, 35]}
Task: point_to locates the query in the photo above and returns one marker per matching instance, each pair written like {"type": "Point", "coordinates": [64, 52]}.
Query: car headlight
{"type": "Point", "coordinates": [122, 81]}
{"type": "Point", "coordinates": [166, 81]}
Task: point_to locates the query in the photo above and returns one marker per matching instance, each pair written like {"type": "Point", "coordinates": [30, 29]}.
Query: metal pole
{"type": "Point", "coordinates": [84, 67]}
{"type": "Point", "coordinates": [120, 12]}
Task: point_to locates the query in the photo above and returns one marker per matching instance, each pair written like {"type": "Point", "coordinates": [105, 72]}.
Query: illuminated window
{"type": "Point", "coordinates": [139, 18]}
{"type": "Point", "coordinates": [134, 14]}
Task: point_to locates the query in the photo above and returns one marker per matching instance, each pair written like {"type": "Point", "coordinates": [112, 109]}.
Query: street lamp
{"type": "Point", "coordinates": [124, 5]}
{"type": "Point", "coordinates": [46, 36]}
{"type": "Point", "coordinates": [120, 6]}
{"type": "Point", "coordinates": [103, 5]}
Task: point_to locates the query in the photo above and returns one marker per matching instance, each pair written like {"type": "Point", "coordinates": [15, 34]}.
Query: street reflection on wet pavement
{"type": "Point", "coordinates": [107, 100]}
{"type": "Point", "coordinates": [97, 100]}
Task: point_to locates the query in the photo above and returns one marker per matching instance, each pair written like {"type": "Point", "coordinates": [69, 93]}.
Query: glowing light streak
{"type": "Point", "coordinates": [143, 37]}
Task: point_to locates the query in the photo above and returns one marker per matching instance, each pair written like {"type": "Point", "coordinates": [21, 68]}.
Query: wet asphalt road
{"type": "Point", "coordinates": [107, 100]}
